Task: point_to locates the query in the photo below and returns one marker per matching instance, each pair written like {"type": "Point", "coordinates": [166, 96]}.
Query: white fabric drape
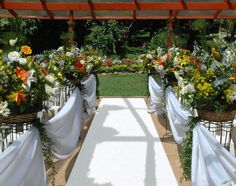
{"type": "Point", "coordinates": [64, 127]}
{"type": "Point", "coordinates": [156, 97]}
{"type": "Point", "coordinates": [90, 86]}
{"type": "Point", "coordinates": [21, 164]}
{"type": "Point", "coordinates": [177, 116]}
{"type": "Point", "coordinates": [212, 164]}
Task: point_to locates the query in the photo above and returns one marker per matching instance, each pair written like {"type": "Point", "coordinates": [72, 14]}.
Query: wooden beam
{"type": "Point", "coordinates": [137, 8]}
{"type": "Point", "coordinates": [44, 4]}
{"type": "Point", "coordinates": [91, 9]}
{"type": "Point", "coordinates": [170, 34]}
{"type": "Point", "coordinates": [71, 26]}
{"type": "Point", "coordinates": [134, 5]}
{"type": "Point", "coordinates": [12, 12]}
{"type": "Point", "coordinates": [226, 5]}
{"type": "Point", "coordinates": [121, 17]}
{"type": "Point", "coordinates": [216, 14]}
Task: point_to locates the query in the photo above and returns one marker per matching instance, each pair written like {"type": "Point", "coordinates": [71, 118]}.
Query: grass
{"type": "Point", "coordinates": [123, 85]}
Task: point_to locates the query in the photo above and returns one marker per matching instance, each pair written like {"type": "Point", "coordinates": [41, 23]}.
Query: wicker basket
{"type": "Point", "coordinates": [213, 116]}
{"type": "Point", "coordinates": [21, 118]}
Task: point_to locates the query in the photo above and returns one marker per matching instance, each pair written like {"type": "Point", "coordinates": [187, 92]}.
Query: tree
{"type": "Point", "coordinates": [106, 36]}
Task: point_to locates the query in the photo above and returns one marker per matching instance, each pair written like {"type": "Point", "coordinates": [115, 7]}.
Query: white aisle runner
{"type": "Point", "coordinates": [122, 148]}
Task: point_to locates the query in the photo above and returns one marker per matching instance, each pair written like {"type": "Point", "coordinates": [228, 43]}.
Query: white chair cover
{"type": "Point", "coordinates": [177, 116]}
{"type": "Point", "coordinates": [90, 86]}
{"type": "Point", "coordinates": [156, 97]}
{"type": "Point", "coordinates": [21, 164]}
{"type": "Point", "coordinates": [64, 127]}
{"type": "Point", "coordinates": [212, 164]}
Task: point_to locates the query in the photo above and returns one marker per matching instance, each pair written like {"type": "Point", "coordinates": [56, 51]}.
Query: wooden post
{"type": "Point", "coordinates": [71, 26]}
{"type": "Point", "coordinates": [170, 33]}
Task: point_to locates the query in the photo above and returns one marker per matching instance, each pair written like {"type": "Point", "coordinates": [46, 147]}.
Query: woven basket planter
{"type": "Point", "coordinates": [21, 118]}
{"type": "Point", "coordinates": [219, 117]}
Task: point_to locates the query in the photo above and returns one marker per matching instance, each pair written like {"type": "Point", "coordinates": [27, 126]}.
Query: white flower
{"type": "Point", "coordinates": [90, 58]}
{"type": "Point", "coordinates": [50, 78]}
{"type": "Point", "coordinates": [82, 62]}
{"type": "Point", "coordinates": [4, 110]}
{"type": "Point", "coordinates": [61, 48]}
{"type": "Point", "coordinates": [159, 51]}
{"type": "Point", "coordinates": [149, 56]}
{"type": "Point", "coordinates": [190, 88]}
{"type": "Point", "coordinates": [69, 54]}
{"type": "Point", "coordinates": [163, 58]}
{"type": "Point", "coordinates": [14, 56]}
{"type": "Point", "coordinates": [22, 61]}
{"type": "Point", "coordinates": [51, 56]}
{"type": "Point", "coordinates": [12, 41]}
{"type": "Point", "coordinates": [175, 61]}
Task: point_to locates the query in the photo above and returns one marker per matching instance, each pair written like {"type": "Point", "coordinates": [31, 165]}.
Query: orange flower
{"type": "Point", "coordinates": [21, 74]}
{"type": "Point", "coordinates": [26, 49]}
{"type": "Point", "coordinates": [231, 78]}
{"type": "Point", "coordinates": [20, 97]}
{"type": "Point", "coordinates": [160, 61]}
{"type": "Point", "coordinates": [168, 56]}
{"type": "Point", "coordinates": [192, 59]}
{"type": "Point", "coordinates": [80, 67]}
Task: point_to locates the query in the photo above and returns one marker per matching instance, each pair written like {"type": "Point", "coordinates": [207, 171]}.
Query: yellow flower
{"type": "Point", "coordinates": [59, 75]}
{"type": "Point", "coordinates": [26, 50]}
{"type": "Point", "coordinates": [210, 72]}
{"type": "Point", "coordinates": [215, 54]}
{"type": "Point", "coordinates": [1, 51]}
{"type": "Point", "coordinates": [204, 89]}
{"type": "Point", "coordinates": [231, 78]}
{"type": "Point", "coordinates": [17, 97]}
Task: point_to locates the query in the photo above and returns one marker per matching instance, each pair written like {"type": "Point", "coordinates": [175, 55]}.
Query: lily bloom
{"type": "Point", "coordinates": [21, 74]}
{"type": "Point", "coordinates": [29, 80]}
{"type": "Point", "coordinates": [17, 97]}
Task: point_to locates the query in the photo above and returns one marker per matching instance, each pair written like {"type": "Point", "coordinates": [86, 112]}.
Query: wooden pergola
{"type": "Point", "coordinates": [115, 9]}
{"type": "Point", "coordinates": [118, 9]}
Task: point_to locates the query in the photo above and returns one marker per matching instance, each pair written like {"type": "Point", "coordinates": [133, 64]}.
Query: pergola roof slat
{"type": "Point", "coordinates": [97, 9]}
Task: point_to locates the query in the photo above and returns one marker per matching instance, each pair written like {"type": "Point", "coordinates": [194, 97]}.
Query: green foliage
{"type": "Point", "coordinates": [16, 28]}
{"type": "Point", "coordinates": [6, 36]}
{"type": "Point", "coordinates": [122, 68]}
{"type": "Point", "coordinates": [47, 148]}
{"type": "Point", "coordinates": [123, 85]}
{"type": "Point", "coordinates": [106, 36]}
{"type": "Point", "coordinates": [136, 67]}
{"type": "Point", "coordinates": [181, 41]}
{"type": "Point", "coordinates": [186, 151]}
{"type": "Point", "coordinates": [201, 26]}
{"type": "Point", "coordinates": [160, 39]}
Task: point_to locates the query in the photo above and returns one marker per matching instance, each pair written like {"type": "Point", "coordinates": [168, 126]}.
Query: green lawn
{"type": "Point", "coordinates": [123, 85]}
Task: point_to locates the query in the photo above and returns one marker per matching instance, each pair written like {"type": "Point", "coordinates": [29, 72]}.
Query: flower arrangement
{"type": "Point", "coordinates": [22, 82]}
{"type": "Point", "coordinates": [208, 81]}
{"type": "Point", "coordinates": [69, 64]}
{"type": "Point", "coordinates": [166, 63]}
